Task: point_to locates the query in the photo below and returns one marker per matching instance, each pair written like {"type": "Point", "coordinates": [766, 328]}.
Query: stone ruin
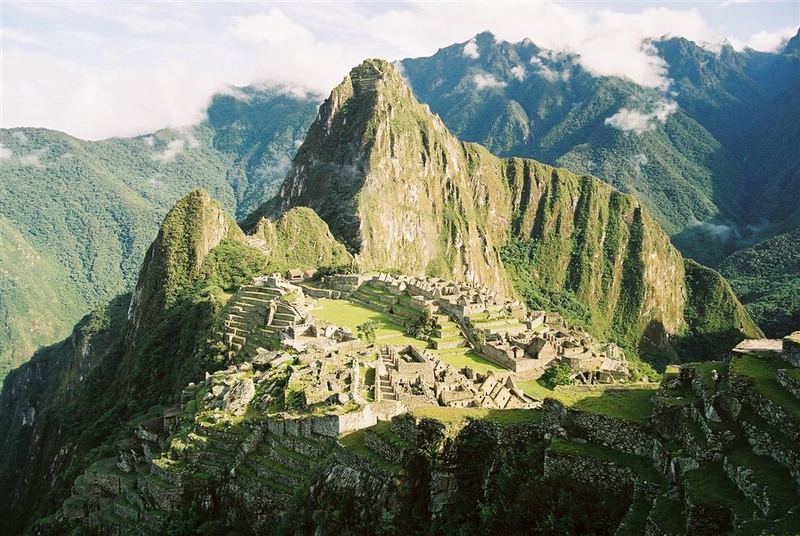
{"type": "Point", "coordinates": [526, 348]}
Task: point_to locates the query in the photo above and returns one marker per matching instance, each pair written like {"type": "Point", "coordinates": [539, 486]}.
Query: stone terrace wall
{"type": "Point", "coordinates": [791, 349]}
{"type": "Point", "coordinates": [787, 382]}
{"type": "Point", "coordinates": [773, 413]}
{"type": "Point", "coordinates": [602, 475]}
{"type": "Point", "coordinates": [743, 479]}
{"type": "Point", "coordinates": [613, 433]}
{"type": "Point", "coordinates": [765, 444]}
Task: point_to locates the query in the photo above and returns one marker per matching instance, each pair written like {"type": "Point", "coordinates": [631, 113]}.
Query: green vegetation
{"type": "Point", "coordinates": [351, 315]}
{"type": "Point", "coordinates": [708, 485]}
{"type": "Point", "coordinates": [641, 466]}
{"type": "Point", "coordinates": [765, 277]}
{"type": "Point", "coordinates": [630, 403]}
{"type": "Point", "coordinates": [768, 473]}
{"type": "Point", "coordinates": [716, 319]}
{"type": "Point", "coordinates": [78, 216]}
{"type": "Point", "coordinates": [558, 373]}
{"type": "Point", "coordinates": [668, 513]}
{"type": "Point", "coordinates": [366, 331]}
{"type": "Point", "coordinates": [355, 442]}
{"type": "Point", "coordinates": [761, 371]}
{"type": "Point", "coordinates": [231, 265]}
{"type": "Point", "coordinates": [460, 358]}
{"type": "Point", "coordinates": [300, 239]}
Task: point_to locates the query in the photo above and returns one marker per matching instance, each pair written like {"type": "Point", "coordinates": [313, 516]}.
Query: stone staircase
{"type": "Point", "coordinates": [387, 302]}
{"type": "Point", "coordinates": [280, 464]}
{"type": "Point", "coordinates": [246, 328]}
{"type": "Point", "coordinates": [447, 334]}
{"type": "Point", "coordinates": [384, 390]}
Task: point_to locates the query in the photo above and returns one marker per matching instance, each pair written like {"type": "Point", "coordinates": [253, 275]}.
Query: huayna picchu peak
{"type": "Point", "coordinates": [476, 293]}
{"type": "Point", "coordinates": [404, 194]}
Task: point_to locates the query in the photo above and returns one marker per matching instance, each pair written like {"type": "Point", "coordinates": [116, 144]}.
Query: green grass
{"type": "Point", "coordinates": [704, 369]}
{"type": "Point", "coordinates": [633, 524]}
{"type": "Point", "coordinates": [351, 315]}
{"type": "Point", "coordinates": [355, 442]}
{"type": "Point", "coordinates": [467, 358]}
{"type": "Point", "coordinates": [769, 473]}
{"type": "Point", "coordinates": [761, 370]}
{"type": "Point", "coordinates": [456, 415]}
{"type": "Point", "coordinates": [708, 485]}
{"type": "Point", "coordinates": [667, 512]}
{"type": "Point", "coordinates": [630, 403]}
{"type": "Point", "coordinates": [640, 465]}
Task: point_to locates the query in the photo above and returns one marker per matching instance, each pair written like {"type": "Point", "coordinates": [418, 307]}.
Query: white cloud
{"type": "Point", "coordinates": [518, 71]}
{"type": "Point", "coordinates": [173, 149]}
{"type": "Point", "coordinates": [633, 120]}
{"type": "Point", "coordinates": [5, 153]}
{"type": "Point", "coordinates": [471, 49]}
{"type": "Point", "coordinates": [283, 165]}
{"type": "Point", "coordinates": [720, 231]}
{"type": "Point", "coordinates": [638, 160]}
{"type": "Point", "coordinates": [269, 28]}
{"type": "Point", "coordinates": [547, 72]}
{"type": "Point", "coordinates": [145, 66]}
{"type": "Point", "coordinates": [150, 141]}
{"type": "Point", "coordinates": [155, 180]}
{"type": "Point", "coordinates": [236, 93]}
{"type": "Point", "coordinates": [33, 159]}
{"type": "Point", "coordinates": [771, 41]}
{"type": "Point", "coordinates": [21, 137]}
{"type": "Point", "coordinates": [485, 80]}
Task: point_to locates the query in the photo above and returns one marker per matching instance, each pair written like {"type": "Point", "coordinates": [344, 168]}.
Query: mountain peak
{"type": "Point", "coordinates": [391, 181]}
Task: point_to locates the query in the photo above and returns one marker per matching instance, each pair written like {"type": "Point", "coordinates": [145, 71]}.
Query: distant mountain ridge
{"type": "Point", "coordinates": [404, 194]}
{"type": "Point", "coordinates": [691, 153]}
{"type": "Point", "coordinates": [713, 191]}
{"type": "Point", "coordinates": [77, 216]}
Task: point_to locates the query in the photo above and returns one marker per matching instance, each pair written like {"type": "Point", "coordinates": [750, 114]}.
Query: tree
{"type": "Point", "coordinates": [366, 331]}
{"type": "Point", "coordinates": [558, 373]}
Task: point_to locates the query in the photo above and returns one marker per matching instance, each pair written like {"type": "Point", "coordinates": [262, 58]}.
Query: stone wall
{"type": "Point", "coordinates": [765, 444]}
{"type": "Point", "coordinates": [383, 448]}
{"type": "Point", "coordinates": [613, 433]}
{"type": "Point", "coordinates": [742, 478]}
{"type": "Point", "coordinates": [602, 475]}
{"type": "Point", "coordinates": [791, 349]}
{"type": "Point", "coordinates": [768, 410]}
{"type": "Point", "coordinates": [787, 382]}
{"type": "Point", "coordinates": [497, 356]}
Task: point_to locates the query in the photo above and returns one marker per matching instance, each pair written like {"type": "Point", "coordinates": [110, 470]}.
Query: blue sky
{"type": "Point", "coordinates": [98, 70]}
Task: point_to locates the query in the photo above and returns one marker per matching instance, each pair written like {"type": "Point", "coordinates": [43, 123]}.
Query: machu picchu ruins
{"type": "Point", "coordinates": [501, 290]}
{"type": "Point", "coordinates": [307, 394]}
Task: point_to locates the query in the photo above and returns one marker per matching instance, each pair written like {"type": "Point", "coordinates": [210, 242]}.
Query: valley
{"type": "Point", "coordinates": [447, 300]}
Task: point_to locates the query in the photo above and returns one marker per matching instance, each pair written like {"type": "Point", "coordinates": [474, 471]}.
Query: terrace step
{"type": "Point", "coordinates": [768, 484]}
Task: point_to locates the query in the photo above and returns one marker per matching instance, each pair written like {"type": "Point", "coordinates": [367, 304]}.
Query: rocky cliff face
{"type": "Point", "coordinates": [396, 187]}
{"type": "Point", "coordinates": [195, 226]}
{"type": "Point", "coordinates": [404, 194]}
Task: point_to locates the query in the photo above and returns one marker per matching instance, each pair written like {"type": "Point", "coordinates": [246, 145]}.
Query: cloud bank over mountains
{"type": "Point", "coordinates": [96, 72]}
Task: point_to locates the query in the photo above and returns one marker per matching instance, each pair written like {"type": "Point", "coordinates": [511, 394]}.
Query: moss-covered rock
{"type": "Point", "coordinates": [299, 238]}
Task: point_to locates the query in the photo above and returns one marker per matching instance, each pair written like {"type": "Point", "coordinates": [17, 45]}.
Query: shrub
{"type": "Point", "coordinates": [366, 331]}
{"type": "Point", "coordinates": [558, 373]}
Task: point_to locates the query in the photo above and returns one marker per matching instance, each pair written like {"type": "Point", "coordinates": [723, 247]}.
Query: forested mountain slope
{"type": "Point", "coordinates": [76, 217]}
